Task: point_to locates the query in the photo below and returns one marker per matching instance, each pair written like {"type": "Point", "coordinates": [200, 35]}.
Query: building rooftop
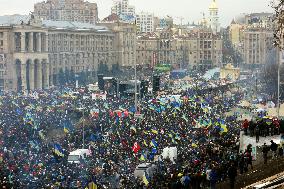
{"type": "Point", "coordinates": [16, 19]}
{"type": "Point", "coordinates": [10, 20]}
{"type": "Point", "coordinates": [72, 25]}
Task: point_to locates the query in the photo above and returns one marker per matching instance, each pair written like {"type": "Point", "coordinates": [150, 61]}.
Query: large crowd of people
{"type": "Point", "coordinates": [38, 131]}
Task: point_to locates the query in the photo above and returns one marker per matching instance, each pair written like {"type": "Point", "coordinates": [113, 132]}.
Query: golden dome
{"type": "Point", "coordinates": [213, 5]}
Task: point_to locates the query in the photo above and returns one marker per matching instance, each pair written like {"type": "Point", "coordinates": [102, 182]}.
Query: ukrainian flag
{"type": "Point", "coordinates": [145, 180]}
{"type": "Point", "coordinates": [66, 129]}
{"type": "Point", "coordinates": [154, 131]}
{"type": "Point", "coordinates": [143, 157]}
{"type": "Point", "coordinates": [58, 150]}
{"type": "Point", "coordinates": [194, 145]}
{"type": "Point", "coordinates": [92, 185]}
{"type": "Point", "coordinates": [145, 143]}
{"type": "Point", "coordinates": [153, 143]}
{"type": "Point", "coordinates": [223, 126]}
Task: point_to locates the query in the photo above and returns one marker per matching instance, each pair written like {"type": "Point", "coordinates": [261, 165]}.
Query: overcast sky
{"type": "Point", "coordinates": [191, 10]}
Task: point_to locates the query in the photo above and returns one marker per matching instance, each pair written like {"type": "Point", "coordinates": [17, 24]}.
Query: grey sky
{"type": "Point", "coordinates": [191, 10]}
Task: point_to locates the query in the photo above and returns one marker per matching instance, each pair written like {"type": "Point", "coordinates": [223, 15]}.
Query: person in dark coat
{"type": "Point", "coordinates": [241, 163]}
{"type": "Point", "coordinates": [265, 150]}
{"type": "Point", "coordinates": [232, 173]}
{"type": "Point", "coordinates": [273, 148]}
{"type": "Point", "coordinates": [280, 151]}
{"type": "Point", "coordinates": [257, 133]}
{"type": "Point", "coordinates": [213, 178]}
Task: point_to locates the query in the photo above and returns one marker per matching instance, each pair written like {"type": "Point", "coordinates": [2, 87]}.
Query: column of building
{"type": "Point", "coordinates": [38, 79]}
{"type": "Point", "coordinates": [45, 74]}
{"type": "Point", "coordinates": [32, 75]}
{"type": "Point", "coordinates": [23, 76]}
{"type": "Point", "coordinates": [38, 41]}
{"type": "Point", "coordinates": [23, 41]}
{"type": "Point", "coordinates": [31, 42]}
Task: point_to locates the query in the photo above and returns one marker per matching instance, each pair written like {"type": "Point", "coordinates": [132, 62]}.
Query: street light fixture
{"type": "Point", "coordinates": [82, 109]}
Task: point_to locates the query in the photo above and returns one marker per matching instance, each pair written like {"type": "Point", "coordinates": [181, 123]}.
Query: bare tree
{"type": "Point", "coordinates": [278, 6]}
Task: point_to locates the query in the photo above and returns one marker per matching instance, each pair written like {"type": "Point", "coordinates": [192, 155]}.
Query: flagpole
{"type": "Point", "coordinates": [135, 70]}
{"type": "Point", "coordinates": [135, 94]}
{"type": "Point", "coordinates": [83, 128]}
{"type": "Point", "coordinates": [278, 82]}
{"type": "Point", "coordinates": [83, 109]}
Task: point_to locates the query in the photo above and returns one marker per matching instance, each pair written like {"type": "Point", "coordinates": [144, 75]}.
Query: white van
{"type": "Point", "coordinates": [149, 168]}
{"type": "Point", "coordinates": [75, 156]}
{"type": "Point", "coordinates": [170, 152]}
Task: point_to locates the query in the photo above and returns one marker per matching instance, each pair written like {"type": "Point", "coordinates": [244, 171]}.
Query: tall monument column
{"type": "Point", "coordinates": [32, 76]}
{"type": "Point", "coordinates": [23, 41]}
{"type": "Point", "coordinates": [31, 42]}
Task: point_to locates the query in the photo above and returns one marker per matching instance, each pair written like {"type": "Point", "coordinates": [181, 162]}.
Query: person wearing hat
{"type": "Point", "coordinates": [265, 150]}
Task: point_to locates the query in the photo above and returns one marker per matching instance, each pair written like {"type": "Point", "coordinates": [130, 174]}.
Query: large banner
{"type": "Point", "coordinates": [98, 96]}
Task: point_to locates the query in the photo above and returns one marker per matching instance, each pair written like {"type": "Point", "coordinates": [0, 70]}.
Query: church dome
{"type": "Point", "coordinates": [213, 5]}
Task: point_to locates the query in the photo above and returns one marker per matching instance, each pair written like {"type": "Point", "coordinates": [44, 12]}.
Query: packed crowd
{"type": "Point", "coordinates": [263, 126]}
{"type": "Point", "coordinates": [37, 132]}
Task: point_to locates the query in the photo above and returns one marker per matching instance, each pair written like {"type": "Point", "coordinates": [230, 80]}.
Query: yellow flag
{"type": "Point", "coordinates": [146, 182]}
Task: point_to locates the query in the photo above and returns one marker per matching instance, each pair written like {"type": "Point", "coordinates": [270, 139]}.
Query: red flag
{"type": "Point", "coordinates": [126, 113]}
{"type": "Point", "coordinates": [136, 147]}
{"type": "Point", "coordinates": [111, 113]}
{"type": "Point", "coordinates": [118, 114]}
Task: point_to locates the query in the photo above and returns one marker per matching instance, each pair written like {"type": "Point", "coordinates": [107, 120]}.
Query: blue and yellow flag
{"type": "Point", "coordinates": [143, 157]}
{"type": "Point", "coordinates": [145, 180]}
{"type": "Point", "coordinates": [223, 127]}
{"type": "Point", "coordinates": [92, 185]}
{"type": "Point", "coordinates": [153, 143]}
{"type": "Point", "coordinates": [58, 150]}
{"type": "Point", "coordinates": [154, 131]}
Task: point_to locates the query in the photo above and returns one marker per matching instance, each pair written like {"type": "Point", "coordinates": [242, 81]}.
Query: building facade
{"type": "Point", "coordinates": [252, 37]}
{"type": "Point", "coordinates": [236, 34]}
{"type": "Point", "coordinates": [33, 52]}
{"type": "Point", "coordinates": [79, 49]}
{"type": "Point", "coordinates": [205, 48]}
{"type": "Point", "coordinates": [257, 44]}
{"type": "Point", "coordinates": [24, 52]}
{"type": "Point", "coordinates": [124, 42]}
{"type": "Point", "coordinates": [145, 22]}
{"type": "Point", "coordinates": [124, 11]}
{"type": "Point", "coordinates": [67, 10]}
{"type": "Point", "coordinates": [156, 48]}
{"type": "Point", "coordinates": [198, 48]}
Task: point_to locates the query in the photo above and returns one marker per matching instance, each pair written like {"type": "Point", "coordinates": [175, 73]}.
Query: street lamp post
{"type": "Point", "coordinates": [83, 128]}
{"type": "Point", "coordinates": [83, 109]}
{"type": "Point", "coordinates": [77, 83]}
{"type": "Point", "coordinates": [135, 93]}
{"type": "Point", "coordinates": [117, 88]}
{"type": "Point", "coordinates": [278, 82]}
